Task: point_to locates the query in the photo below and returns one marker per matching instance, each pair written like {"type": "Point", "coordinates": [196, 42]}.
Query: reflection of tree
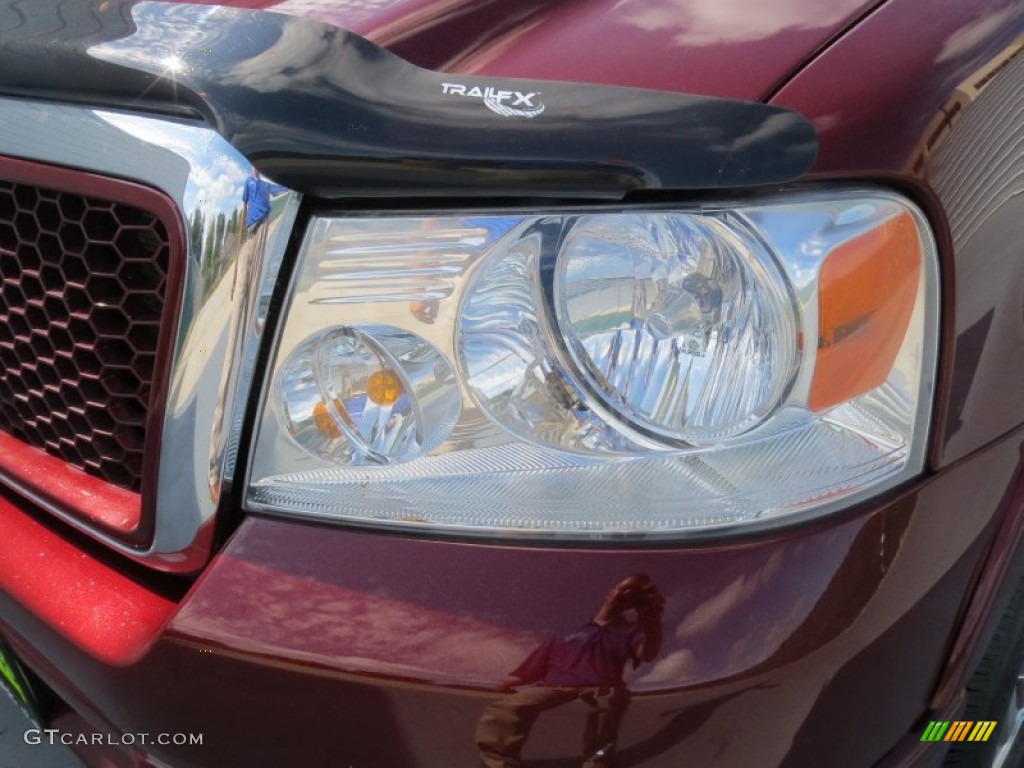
{"type": "Point", "coordinates": [585, 664]}
{"type": "Point", "coordinates": [212, 239]}
{"type": "Point", "coordinates": [195, 230]}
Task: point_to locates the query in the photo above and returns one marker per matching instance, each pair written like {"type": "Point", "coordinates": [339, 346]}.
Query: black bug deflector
{"type": "Point", "coordinates": [327, 112]}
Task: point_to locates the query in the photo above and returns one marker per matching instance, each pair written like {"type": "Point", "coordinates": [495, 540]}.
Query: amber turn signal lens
{"type": "Point", "coordinates": [867, 289]}
{"type": "Point", "coordinates": [383, 387]}
{"type": "Point", "coordinates": [324, 423]}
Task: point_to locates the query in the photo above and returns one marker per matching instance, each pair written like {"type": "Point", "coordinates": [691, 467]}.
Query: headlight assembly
{"type": "Point", "coordinates": [595, 373]}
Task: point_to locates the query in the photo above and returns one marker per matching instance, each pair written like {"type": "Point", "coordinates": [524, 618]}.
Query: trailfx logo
{"type": "Point", "coordinates": [504, 103]}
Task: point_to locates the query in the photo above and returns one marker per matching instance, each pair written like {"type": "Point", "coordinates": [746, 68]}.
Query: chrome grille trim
{"type": "Point", "coordinates": [219, 330]}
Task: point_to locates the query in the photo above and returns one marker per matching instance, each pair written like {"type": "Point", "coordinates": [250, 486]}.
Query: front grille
{"type": "Point", "coordinates": [82, 285]}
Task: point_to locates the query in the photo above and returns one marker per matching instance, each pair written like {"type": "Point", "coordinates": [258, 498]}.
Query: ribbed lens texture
{"type": "Point", "coordinates": [548, 492]}
{"type": "Point", "coordinates": [81, 296]}
{"type": "Point", "coordinates": [679, 322]}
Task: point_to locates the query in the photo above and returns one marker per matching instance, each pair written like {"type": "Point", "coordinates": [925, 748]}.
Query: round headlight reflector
{"type": "Point", "coordinates": [680, 323]}
{"type": "Point", "coordinates": [367, 395]}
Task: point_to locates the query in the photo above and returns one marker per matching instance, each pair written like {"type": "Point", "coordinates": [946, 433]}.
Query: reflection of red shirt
{"type": "Point", "coordinates": [592, 656]}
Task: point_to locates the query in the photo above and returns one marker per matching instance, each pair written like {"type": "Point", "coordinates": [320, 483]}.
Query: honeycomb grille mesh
{"type": "Point", "coordinates": [82, 284]}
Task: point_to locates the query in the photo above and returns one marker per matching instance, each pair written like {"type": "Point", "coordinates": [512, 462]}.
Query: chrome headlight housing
{"type": "Point", "coordinates": [595, 373]}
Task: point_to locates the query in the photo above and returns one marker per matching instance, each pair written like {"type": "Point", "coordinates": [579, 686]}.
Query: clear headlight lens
{"type": "Point", "coordinates": [602, 373]}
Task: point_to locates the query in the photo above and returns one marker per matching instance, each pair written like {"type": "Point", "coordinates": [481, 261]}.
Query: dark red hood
{"type": "Point", "coordinates": [730, 48]}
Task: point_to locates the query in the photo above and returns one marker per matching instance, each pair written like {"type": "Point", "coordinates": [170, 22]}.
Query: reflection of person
{"type": "Point", "coordinates": [584, 664]}
{"type": "Point", "coordinates": [256, 199]}
{"type": "Point", "coordinates": [255, 210]}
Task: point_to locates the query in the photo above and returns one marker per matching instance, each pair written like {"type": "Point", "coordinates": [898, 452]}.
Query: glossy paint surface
{"type": "Point", "coordinates": [394, 646]}
{"type": "Point", "coordinates": [952, 122]}
{"type": "Point", "coordinates": [326, 112]}
{"type": "Point", "coordinates": [950, 127]}
{"type": "Point", "coordinates": [728, 48]}
{"type": "Point", "coordinates": [105, 613]}
{"type": "Point", "coordinates": [50, 479]}
{"type": "Point", "coordinates": [382, 650]}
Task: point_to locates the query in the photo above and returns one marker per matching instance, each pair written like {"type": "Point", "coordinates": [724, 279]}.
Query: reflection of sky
{"type": "Point", "coordinates": [160, 38]}
{"type": "Point", "coordinates": [333, 11]}
{"type": "Point", "coordinates": [803, 234]}
{"type": "Point", "coordinates": [218, 172]}
{"type": "Point", "coordinates": [696, 22]}
{"type": "Point", "coordinates": [978, 32]}
{"type": "Point", "coordinates": [740, 619]}
{"type": "Point", "coordinates": [427, 620]}
{"type": "Point", "coordinates": [352, 629]}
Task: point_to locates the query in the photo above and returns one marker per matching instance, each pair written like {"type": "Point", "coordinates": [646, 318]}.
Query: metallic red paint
{"type": "Point", "coordinates": [1003, 566]}
{"type": "Point", "coordinates": [394, 645]}
{"type": "Point", "coordinates": [871, 120]}
{"type": "Point", "coordinates": [946, 127]}
{"type": "Point", "coordinates": [53, 479]}
{"type": "Point", "coordinates": [729, 48]}
{"type": "Point", "coordinates": [891, 127]}
{"type": "Point", "coordinates": [109, 616]}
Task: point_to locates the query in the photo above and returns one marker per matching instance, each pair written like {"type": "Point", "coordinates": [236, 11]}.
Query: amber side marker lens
{"type": "Point", "coordinates": [384, 387]}
{"type": "Point", "coordinates": [867, 289]}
